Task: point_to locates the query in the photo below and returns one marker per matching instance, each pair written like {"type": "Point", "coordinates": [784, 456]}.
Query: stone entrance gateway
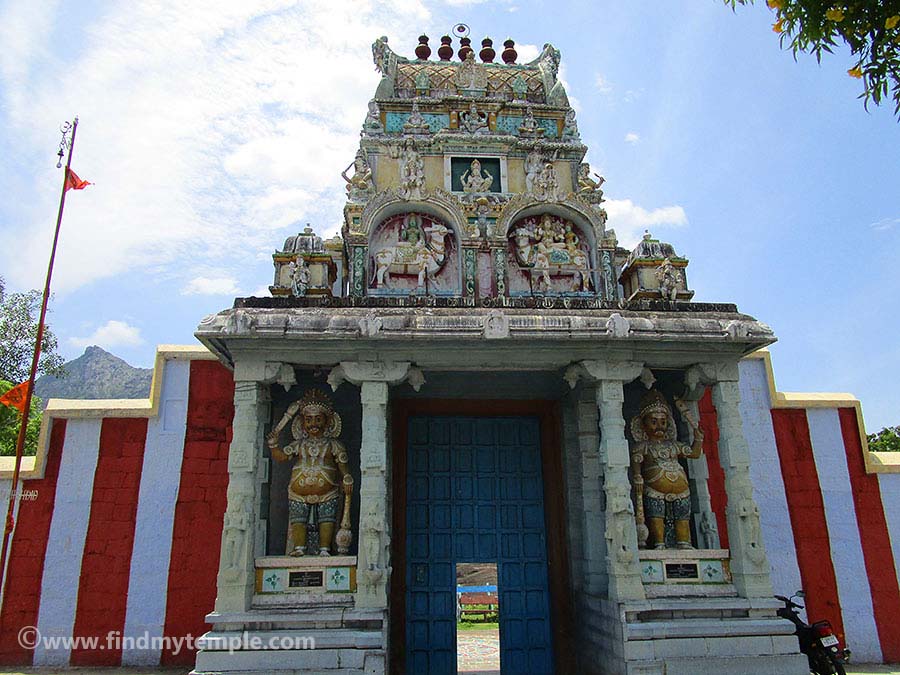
{"type": "Point", "coordinates": [474, 303]}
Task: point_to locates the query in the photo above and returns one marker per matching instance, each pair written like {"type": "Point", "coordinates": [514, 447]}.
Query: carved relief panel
{"type": "Point", "coordinates": [549, 255]}
{"type": "Point", "coordinates": [414, 253]}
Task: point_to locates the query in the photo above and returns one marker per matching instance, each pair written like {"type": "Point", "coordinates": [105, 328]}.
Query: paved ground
{"type": "Point", "coordinates": [475, 661]}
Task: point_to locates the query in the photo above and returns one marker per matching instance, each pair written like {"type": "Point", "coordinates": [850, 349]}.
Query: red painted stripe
{"type": "Point", "coordinates": [25, 566]}
{"type": "Point", "coordinates": [807, 513]}
{"type": "Point", "coordinates": [876, 542]}
{"type": "Point", "coordinates": [106, 563]}
{"type": "Point", "coordinates": [709, 424]}
{"type": "Point", "coordinates": [200, 509]}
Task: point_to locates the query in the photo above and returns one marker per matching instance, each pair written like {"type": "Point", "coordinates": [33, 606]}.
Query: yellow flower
{"type": "Point", "coordinates": [777, 27]}
{"type": "Point", "coordinates": [775, 4]}
{"type": "Point", "coordinates": [855, 71]}
{"type": "Point", "coordinates": [835, 14]}
{"type": "Point", "coordinates": [892, 21]}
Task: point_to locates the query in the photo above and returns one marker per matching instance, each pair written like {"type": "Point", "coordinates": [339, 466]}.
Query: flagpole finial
{"type": "Point", "coordinates": [65, 142]}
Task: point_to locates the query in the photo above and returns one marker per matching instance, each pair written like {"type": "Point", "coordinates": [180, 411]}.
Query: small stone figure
{"type": "Point", "coordinates": [412, 173]}
{"type": "Point", "coordinates": [299, 277]}
{"type": "Point", "coordinates": [570, 127]}
{"type": "Point", "coordinates": [416, 124]}
{"type": "Point", "coordinates": [320, 473]}
{"type": "Point", "coordinates": [423, 83]}
{"type": "Point", "coordinates": [372, 125]}
{"type": "Point", "coordinates": [474, 180]}
{"type": "Point", "coordinates": [360, 185]}
{"type": "Point", "coordinates": [587, 186]}
{"type": "Point", "coordinates": [546, 186]}
{"type": "Point", "coordinates": [534, 162]}
{"type": "Point", "coordinates": [520, 88]}
{"type": "Point", "coordinates": [662, 492]}
{"type": "Point", "coordinates": [474, 122]}
{"type": "Point", "coordinates": [471, 75]}
{"type": "Point", "coordinates": [668, 277]}
{"type": "Point", "coordinates": [530, 127]}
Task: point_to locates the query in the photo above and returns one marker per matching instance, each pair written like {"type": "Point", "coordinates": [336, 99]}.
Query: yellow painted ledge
{"type": "Point", "coordinates": [33, 467]}
{"type": "Point", "coordinates": [875, 462]}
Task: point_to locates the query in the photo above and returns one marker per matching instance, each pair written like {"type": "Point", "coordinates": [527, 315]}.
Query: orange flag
{"type": "Point", "coordinates": [73, 182]}
{"type": "Point", "coordinates": [15, 397]}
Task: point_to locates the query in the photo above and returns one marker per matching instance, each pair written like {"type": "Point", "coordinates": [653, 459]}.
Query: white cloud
{"type": "Point", "coordinates": [602, 84]}
{"type": "Point", "coordinates": [885, 224]}
{"type": "Point", "coordinates": [632, 137]}
{"type": "Point", "coordinates": [110, 335]}
{"type": "Point", "coordinates": [207, 128]}
{"type": "Point", "coordinates": [211, 286]}
{"type": "Point", "coordinates": [630, 220]}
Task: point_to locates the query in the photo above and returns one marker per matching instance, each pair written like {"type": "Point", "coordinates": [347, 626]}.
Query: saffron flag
{"type": "Point", "coordinates": [15, 397]}
{"type": "Point", "coordinates": [73, 182]}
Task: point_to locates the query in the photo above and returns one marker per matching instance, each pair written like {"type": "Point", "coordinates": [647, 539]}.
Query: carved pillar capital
{"type": "Point", "coordinates": [388, 372]}
{"type": "Point", "coordinates": [599, 371]}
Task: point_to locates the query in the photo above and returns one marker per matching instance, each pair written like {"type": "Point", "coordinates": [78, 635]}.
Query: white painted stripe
{"type": "Point", "coordinates": [68, 528]}
{"type": "Point", "coordinates": [889, 486]}
{"type": "Point", "coordinates": [765, 473]}
{"type": "Point", "coordinates": [854, 592]}
{"type": "Point", "coordinates": [5, 486]}
{"type": "Point", "coordinates": [160, 477]}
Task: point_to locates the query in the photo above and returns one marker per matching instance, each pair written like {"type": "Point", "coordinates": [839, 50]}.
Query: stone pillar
{"type": "Point", "coordinates": [374, 558]}
{"type": "Point", "coordinates": [591, 507]}
{"type": "Point", "coordinates": [704, 518]}
{"type": "Point", "coordinates": [236, 578]}
{"type": "Point", "coordinates": [622, 566]}
{"type": "Point", "coordinates": [749, 565]}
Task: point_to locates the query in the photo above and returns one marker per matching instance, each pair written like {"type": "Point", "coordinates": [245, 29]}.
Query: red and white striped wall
{"type": "Point", "coordinates": [122, 537]}
{"type": "Point", "coordinates": [830, 510]}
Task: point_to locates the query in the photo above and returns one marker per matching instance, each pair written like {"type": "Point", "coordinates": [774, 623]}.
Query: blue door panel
{"type": "Point", "coordinates": [475, 494]}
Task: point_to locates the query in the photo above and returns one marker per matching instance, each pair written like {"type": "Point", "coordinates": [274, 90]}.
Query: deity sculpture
{"type": "Point", "coordinates": [372, 125]}
{"type": "Point", "coordinates": [416, 123]}
{"type": "Point", "coordinates": [412, 172]}
{"type": "Point", "coordinates": [587, 186]}
{"type": "Point", "coordinates": [474, 122]}
{"type": "Point", "coordinates": [471, 75]}
{"type": "Point", "coordinates": [319, 475]}
{"type": "Point", "coordinates": [420, 250]}
{"type": "Point", "coordinates": [570, 126]}
{"type": "Point", "coordinates": [299, 277]}
{"type": "Point", "coordinates": [546, 187]}
{"type": "Point", "coordinates": [662, 492]}
{"type": "Point", "coordinates": [668, 277]}
{"type": "Point", "coordinates": [530, 127]}
{"type": "Point", "coordinates": [360, 184]}
{"type": "Point", "coordinates": [550, 247]}
{"type": "Point", "coordinates": [474, 180]}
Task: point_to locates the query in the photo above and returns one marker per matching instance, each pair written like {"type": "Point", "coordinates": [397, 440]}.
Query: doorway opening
{"type": "Point", "coordinates": [477, 619]}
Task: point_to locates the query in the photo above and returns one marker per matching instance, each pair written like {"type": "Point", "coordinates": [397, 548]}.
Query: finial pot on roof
{"type": "Point", "coordinates": [487, 52]}
{"type": "Point", "coordinates": [445, 51]}
{"type": "Point", "coordinates": [465, 48]}
{"type": "Point", "coordinates": [423, 51]}
{"type": "Point", "coordinates": [509, 54]}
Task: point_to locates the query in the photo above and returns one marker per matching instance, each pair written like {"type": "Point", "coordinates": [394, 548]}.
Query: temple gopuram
{"type": "Point", "coordinates": [473, 381]}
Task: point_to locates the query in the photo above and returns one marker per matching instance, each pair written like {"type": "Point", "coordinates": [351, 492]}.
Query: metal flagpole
{"type": "Point", "coordinates": [29, 390]}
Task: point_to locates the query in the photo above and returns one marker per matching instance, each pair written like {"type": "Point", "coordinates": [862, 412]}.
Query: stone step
{"type": "Point", "coordinates": [700, 628]}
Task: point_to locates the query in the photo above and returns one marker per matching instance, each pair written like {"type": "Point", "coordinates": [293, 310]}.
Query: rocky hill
{"type": "Point", "coordinates": [96, 374]}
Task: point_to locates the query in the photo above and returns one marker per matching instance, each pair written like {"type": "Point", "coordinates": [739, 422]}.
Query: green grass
{"type": "Point", "coordinates": [478, 625]}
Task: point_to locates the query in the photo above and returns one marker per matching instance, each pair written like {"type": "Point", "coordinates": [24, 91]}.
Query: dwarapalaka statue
{"type": "Point", "coordinates": [662, 493]}
{"type": "Point", "coordinates": [319, 475]}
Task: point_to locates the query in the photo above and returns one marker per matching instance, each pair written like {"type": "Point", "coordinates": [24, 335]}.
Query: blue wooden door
{"type": "Point", "coordinates": [475, 494]}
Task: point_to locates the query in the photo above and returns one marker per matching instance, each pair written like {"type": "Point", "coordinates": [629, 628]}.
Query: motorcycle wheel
{"type": "Point", "coordinates": [821, 663]}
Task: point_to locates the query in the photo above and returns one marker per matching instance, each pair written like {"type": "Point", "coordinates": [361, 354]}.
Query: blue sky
{"type": "Point", "coordinates": [214, 129]}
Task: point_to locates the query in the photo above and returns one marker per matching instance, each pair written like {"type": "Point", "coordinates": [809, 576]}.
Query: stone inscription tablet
{"type": "Point", "coordinates": [305, 579]}
{"type": "Point", "coordinates": [682, 571]}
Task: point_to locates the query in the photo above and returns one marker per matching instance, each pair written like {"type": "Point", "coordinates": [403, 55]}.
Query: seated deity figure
{"type": "Point", "coordinates": [361, 180]}
{"type": "Point", "coordinates": [474, 180]}
{"type": "Point", "coordinates": [472, 121]}
{"type": "Point", "coordinates": [587, 186]}
{"type": "Point", "coordinates": [319, 475]}
{"type": "Point", "coordinates": [662, 492]}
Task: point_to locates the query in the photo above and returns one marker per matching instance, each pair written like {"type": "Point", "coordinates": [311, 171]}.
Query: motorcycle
{"type": "Point", "coordinates": [817, 641]}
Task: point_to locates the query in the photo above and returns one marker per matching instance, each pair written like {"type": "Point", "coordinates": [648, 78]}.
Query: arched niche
{"type": "Point", "coordinates": [551, 251]}
{"type": "Point", "coordinates": [413, 251]}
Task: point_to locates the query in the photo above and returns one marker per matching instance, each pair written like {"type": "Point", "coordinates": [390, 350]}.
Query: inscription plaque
{"type": "Point", "coordinates": [305, 579]}
{"type": "Point", "coordinates": [682, 571]}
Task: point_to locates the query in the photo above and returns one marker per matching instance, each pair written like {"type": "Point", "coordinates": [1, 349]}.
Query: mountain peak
{"type": "Point", "coordinates": [96, 374]}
